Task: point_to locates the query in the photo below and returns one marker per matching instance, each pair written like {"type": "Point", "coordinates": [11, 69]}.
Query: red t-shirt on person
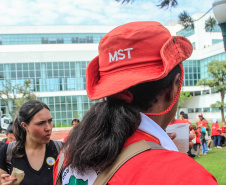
{"type": "Point", "coordinates": [214, 131]}
{"type": "Point", "coordinates": [223, 129]}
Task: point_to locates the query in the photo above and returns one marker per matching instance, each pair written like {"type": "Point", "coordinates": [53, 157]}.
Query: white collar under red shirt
{"type": "Point", "coordinates": [149, 126]}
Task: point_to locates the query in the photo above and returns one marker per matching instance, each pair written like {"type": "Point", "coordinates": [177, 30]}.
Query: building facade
{"type": "Point", "coordinates": [54, 59]}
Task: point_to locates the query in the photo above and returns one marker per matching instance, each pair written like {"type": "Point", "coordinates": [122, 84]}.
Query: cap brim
{"type": "Point", "coordinates": [172, 53]}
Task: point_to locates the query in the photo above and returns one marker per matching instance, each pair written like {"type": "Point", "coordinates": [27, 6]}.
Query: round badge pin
{"type": "Point", "coordinates": [50, 161]}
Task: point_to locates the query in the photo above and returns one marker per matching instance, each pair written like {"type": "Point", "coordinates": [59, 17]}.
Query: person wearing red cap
{"type": "Point", "coordinates": [203, 123]}
{"type": "Point", "coordinates": [139, 75]}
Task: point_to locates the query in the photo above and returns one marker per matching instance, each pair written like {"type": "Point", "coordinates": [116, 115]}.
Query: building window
{"type": "Point", "coordinates": [206, 109]}
{"type": "Point", "coordinates": [191, 110]}
{"type": "Point", "coordinates": [194, 47]}
{"type": "Point", "coordinates": [214, 91]}
{"type": "Point", "coordinates": [214, 41]}
{"type": "Point", "coordinates": [206, 92]}
{"type": "Point", "coordinates": [198, 109]}
{"type": "Point", "coordinates": [186, 32]}
{"type": "Point", "coordinates": [215, 109]}
{"type": "Point", "coordinates": [197, 93]}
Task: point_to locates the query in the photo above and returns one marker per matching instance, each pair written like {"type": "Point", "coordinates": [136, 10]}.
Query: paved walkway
{"type": "Point", "coordinates": [57, 134]}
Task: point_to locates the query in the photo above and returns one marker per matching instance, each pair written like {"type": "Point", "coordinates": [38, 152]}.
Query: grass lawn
{"type": "Point", "coordinates": [215, 163]}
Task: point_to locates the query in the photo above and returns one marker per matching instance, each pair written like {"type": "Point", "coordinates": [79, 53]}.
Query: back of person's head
{"type": "Point", "coordinates": [194, 127]}
{"type": "Point", "coordinates": [26, 113]}
{"type": "Point", "coordinates": [185, 116]}
{"type": "Point", "coordinates": [9, 129]}
{"type": "Point", "coordinates": [137, 63]}
{"type": "Point", "coordinates": [215, 120]}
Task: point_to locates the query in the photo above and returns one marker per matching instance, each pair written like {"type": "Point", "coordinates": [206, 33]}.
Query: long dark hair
{"type": "Point", "coordinates": [99, 138]}
{"type": "Point", "coordinates": [26, 113]}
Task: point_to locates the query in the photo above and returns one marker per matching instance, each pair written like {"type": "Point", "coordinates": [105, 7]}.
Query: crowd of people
{"type": "Point", "coordinates": [202, 134]}
{"type": "Point", "coordinates": [138, 74]}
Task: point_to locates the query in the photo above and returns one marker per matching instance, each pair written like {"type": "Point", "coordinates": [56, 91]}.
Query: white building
{"type": "Point", "coordinates": [55, 58]}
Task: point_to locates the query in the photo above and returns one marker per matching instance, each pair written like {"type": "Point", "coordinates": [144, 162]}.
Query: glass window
{"type": "Point", "coordinates": [19, 66]}
{"type": "Point", "coordinates": [206, 92]}
{"type": "Point", "coordinates": [206, 109]}
{"type": "Point", "coordinates": [198, 109]}
{"type": "Point", "coordinates": [215, 109]}
{"type": "Point", "coordinates": [197, 93]}
{"type": "Point", "coordinates": [25, 66]}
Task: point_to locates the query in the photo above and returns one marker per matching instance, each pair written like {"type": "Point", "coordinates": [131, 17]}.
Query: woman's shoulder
{"type": "Point", "coordinates": [165, 166]}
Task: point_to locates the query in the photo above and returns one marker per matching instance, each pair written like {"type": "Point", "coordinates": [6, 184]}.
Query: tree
{"type": "Point", "coordinates": [184, 97]}
{"type": "Point", "coordinates": [217, 80]}
{"type": "Point", "coordinates": [210, 23]}
{"type": "Point", "coordinates": [184, 18]}
{"type": "Point", "coordinates": [15, 95]}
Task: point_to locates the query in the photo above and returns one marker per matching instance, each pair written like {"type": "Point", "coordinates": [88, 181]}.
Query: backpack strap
{"type": "Point", "coordinates": [58, 145]}
{"type": "Point", "coordinates": [60, 168]}
{"type": "Point", "coordinates": [126, 154]}
{"type": "Point", "coordinates": [9, 152]}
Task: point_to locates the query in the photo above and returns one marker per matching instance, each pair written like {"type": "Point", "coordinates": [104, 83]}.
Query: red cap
{"type": "Point", "coordinates": [134, 53]}
{"type": "Point", "coordinates": [200, 115]}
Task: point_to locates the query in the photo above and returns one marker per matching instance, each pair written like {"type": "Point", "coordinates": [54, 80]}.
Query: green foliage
{"type": "Point", "coordinates": [210, 23]}
{"type": "Point", "coordinates": [217, 79]}
{"type": "Point", "coordinates": [185, 20]}
{"type": "Point", "coordinates": [184, 97]}
{"type": "Point", "coordinates": [16, 95]}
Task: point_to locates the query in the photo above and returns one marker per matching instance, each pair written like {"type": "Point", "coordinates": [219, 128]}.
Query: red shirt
{"type": "Point", "coordinates": [214, 131]}
{"type": "Point", "coordinates": [198, 134]}
{"type": "Point", "coordinates": [223, 129]}
{"type": "Point", "coordinates": [158, 167]}
{"type": "Point", "coordinates": [202, 123]}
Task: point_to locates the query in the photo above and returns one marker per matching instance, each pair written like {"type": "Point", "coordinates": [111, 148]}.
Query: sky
{"type": "Point", "coordinates": [92, 12]}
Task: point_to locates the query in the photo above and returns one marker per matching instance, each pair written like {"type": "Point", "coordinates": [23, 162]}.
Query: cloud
{"type": "Point", "coordinates": [90, 12]}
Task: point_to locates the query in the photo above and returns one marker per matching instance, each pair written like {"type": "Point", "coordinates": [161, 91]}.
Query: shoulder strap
{"type": "Point", "coordinates": [60, 168]}
{"type": "Point", "coordinates": [126, 154]}
{"type": "Point", "coordinates": [58, 145]}
{"type": "Point", "coordinates": [9, 152]}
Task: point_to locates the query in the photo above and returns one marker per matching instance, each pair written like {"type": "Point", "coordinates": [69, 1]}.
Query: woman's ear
{"type": "Point", "coordinates": [24, 125]}
{"type": "Point", "coordinates": [175, 86]}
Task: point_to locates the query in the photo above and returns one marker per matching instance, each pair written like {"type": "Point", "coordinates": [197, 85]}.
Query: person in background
{"type": "Point", "coordinates": [75, 122]}
{"type": "Point", "coordinates": [138, 75]}
{"type": "Point", "coordinates": [203, 123]}
{"type": "Point", "coordinates": [198, 141]}
{"type": "Point", "coordinates": [33, 152]}
{"type": "Point", "coordinates": [9, 134]}
{"type": "Point", "coordinates": [223, 131]}
{"type": "Point", "coordinates": [216, 133]}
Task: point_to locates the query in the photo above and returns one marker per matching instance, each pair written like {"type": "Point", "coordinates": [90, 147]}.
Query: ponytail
{"type": "Point", "coordinates": [20, 135]}
{"type": "Point", "coordinates": [99, 138]}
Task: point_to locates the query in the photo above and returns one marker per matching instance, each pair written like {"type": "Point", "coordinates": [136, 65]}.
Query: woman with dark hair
{"type": "Point", "coordinates": [139, 75]}
{"type": "Point", "coordinates": [33, 152]}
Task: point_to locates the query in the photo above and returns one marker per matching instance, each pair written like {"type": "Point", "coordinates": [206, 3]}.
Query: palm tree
{"type": "Point", "coordinates": [185, 20]}
{"type": "Point", "coordinates": [210, 23]}
{"type": "Point", "coordinates": [168, 4]}
{"type": "Point", "coordinates": [125, 1]}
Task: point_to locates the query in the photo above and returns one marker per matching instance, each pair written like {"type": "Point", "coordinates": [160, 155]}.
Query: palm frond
{"type": "Point", "coordinates": [168, 4]}
{"type": "Point", "coordinates": [185, 20]}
